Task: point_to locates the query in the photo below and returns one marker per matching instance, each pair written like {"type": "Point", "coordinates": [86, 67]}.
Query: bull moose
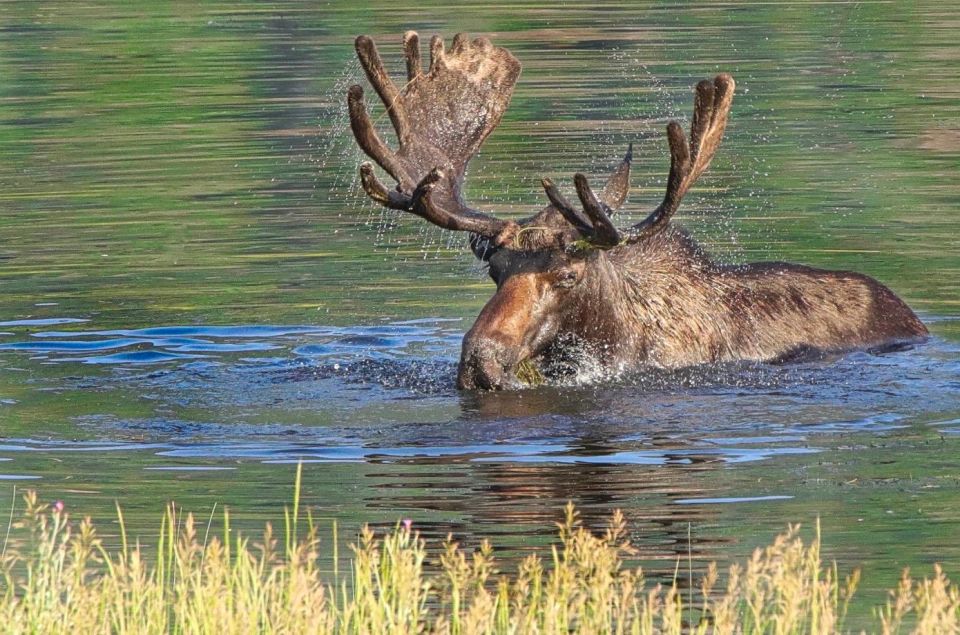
{"type": "Point", "coordinates": [572, 286]}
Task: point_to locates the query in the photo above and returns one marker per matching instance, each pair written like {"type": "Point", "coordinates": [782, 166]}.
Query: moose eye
{"type": "Point", "coordinates": [566, 279]}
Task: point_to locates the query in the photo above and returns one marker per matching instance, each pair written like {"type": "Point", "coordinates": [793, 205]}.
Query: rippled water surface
{"type": "Point", "coordinates": [194, 294]}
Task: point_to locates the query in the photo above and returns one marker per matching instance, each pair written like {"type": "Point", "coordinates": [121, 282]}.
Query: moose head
{"type": "Point", "coordinates": [570, 284]}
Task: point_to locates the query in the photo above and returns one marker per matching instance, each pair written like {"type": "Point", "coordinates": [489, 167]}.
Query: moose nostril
{"type": "Point", "coordinates": [486, 382]}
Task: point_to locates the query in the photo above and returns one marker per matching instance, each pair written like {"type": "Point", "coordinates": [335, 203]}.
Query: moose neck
{"type": "Point", "coordinates": [600, 317]}
{"type": "Point", "coordinates": [638, 298]}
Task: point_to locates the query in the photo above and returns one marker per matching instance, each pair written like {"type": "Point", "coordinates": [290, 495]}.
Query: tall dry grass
{"type": "Point", "coordinates": [57, 577]}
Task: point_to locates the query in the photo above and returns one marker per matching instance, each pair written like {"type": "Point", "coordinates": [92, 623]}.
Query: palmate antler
{"type": "Point", "coordinates": [441, 118]}
{"type": "Point", "coordinates": [687, 162]}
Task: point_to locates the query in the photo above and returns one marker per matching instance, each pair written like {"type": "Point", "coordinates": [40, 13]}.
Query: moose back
{"type": "Point", "coordinates": [571, 286]}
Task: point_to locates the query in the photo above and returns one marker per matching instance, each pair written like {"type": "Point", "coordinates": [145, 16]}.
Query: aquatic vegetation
{"type": "Point", "coordinates": [58, 577]}
{"type": "Point", "coordinates": [529, 374]}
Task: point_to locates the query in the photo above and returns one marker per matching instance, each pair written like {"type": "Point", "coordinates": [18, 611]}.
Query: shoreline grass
{"type": "Point", "coordinates": [56, 576]}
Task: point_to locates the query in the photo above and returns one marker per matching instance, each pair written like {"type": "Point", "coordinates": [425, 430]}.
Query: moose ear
{"type": "Point", "coordinates": [618, 185]}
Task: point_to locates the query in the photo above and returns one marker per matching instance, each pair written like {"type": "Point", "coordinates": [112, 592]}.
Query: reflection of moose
{"type": "Point", "coordinates": [526, 498]}
{"type": "Point", "coordinates": [568, 279]}
{"type": "Point", "coordinates": [511, 501]}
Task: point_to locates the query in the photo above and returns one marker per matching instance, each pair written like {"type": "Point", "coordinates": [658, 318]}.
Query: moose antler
{"type": "Point", "coordinates": [613, 195]}
{"type": "Point", "coordinates": [594, 223]}
{"type": "Point", "coordinates": [441, 118]}
{"type": "Point", "coordinates": [687, 162]}
{"type": "Point", "coordinates": [711, 107]}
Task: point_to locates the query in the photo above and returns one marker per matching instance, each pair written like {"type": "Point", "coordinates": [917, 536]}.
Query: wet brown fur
{"type": "Point", "coordinates": [681, 308]}
{"type": "Point", "coordinates": [663, 302]}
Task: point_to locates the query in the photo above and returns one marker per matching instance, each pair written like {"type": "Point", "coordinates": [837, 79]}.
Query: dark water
{"type": "Point", "coordinates": [194, 294]}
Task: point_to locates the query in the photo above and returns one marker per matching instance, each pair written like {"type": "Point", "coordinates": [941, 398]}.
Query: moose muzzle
{"type": "Point", "coordinates": [501, 337]}
{"type": "Point", "coordinates": [487, 364]}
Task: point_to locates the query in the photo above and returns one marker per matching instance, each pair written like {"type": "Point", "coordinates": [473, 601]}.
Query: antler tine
{"type": "Point", "coordinates": [377, 191]}
{"type": "Point", "coordinates": [436, 53]}
{"type": "Point", "coordinates": [562, 205]}
{"type": "Point", "coordinates": [688, 161]}
{"type": "Point", "coordinates": [411, 50]}
{"type": "Point", "coordinates": [604, 233]}
{"type": "Point", "coordinates": [615, 191]}
{"type": "Point", "coordinates": [460, 44]}
{"type": "Point", "coordinates": [702, 114]}
{"type": "Point", "coordinates": [373, 66]}
{"type": "Point", "coordinates": [370, 142]}
{"type": "Point", "coordinates": [717, 98]}
{"type": "Point", "coordinates": [468, 220]}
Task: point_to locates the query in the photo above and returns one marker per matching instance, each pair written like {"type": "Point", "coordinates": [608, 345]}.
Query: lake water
{"type": "Point", "coordinates": [196, 295]}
